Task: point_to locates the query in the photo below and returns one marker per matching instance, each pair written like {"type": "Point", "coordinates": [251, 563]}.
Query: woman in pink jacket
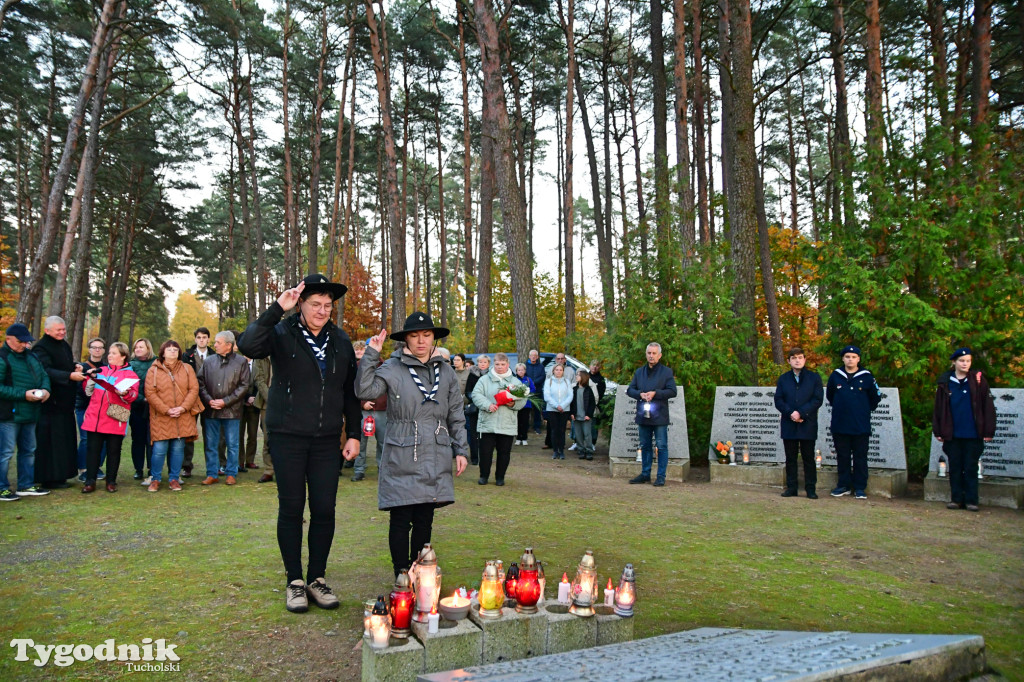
{"type": "Point", "coordinates": [106, 418]}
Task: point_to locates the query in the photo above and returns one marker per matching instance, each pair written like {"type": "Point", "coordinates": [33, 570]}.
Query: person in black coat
{"type": "Point", "coordinates": [651, 387]}
{"type": "Point", "coordinates": [964, 419]}
{"type": "Point", "coordinates": [798, 397]}
{"type": "Point", "coordinates": [56, 430]}
{"type": "Point", "coordinates": [854, 395]}
{"type": "Point", "coordinates": [311, 402]}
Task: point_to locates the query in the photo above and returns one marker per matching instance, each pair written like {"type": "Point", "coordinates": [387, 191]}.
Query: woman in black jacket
{"type": "Point", "coordinates": [581, 411]}
{"type": "Point", "coordinates": [963, 420]}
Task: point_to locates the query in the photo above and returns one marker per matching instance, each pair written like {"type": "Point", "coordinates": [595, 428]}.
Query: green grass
{"type": "Point", "coordinates": [205, 562]}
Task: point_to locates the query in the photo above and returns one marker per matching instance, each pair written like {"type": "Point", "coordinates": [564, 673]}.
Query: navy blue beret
{"type": "Point", "coordinates": [849, 349]}
{"type": "Point", "coordinates": [960, 352]}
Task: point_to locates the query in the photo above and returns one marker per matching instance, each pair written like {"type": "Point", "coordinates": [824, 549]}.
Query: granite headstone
{"type": "Point", "coordinates": [1004, 455]}
{"type": "Point", "coordinates": [746, 415]}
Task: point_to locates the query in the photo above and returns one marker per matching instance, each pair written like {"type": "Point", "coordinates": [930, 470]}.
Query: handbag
{"type": "Point", "coordinates": [118, 412]}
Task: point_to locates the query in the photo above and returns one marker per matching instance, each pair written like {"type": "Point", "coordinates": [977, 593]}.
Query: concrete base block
{"type": "Point", "coordinates": [567, 632]}
{"type": "Point", "coordinates": [881, 482]}
{"type": "Point", "coordinates": [992, 492]}
{"type": "Point", "coordinates": [677, 469]}
{"type": "Point", "coordinates": [455, 645]}
{"type": "Point", "coordinates": [513, 636]}
{"type": "Point", "coordinates": [402, 661]}
{"type": "Point", "coordinates": [612, 629]}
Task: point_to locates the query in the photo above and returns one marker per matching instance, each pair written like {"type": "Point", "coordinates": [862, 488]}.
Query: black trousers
{"type": "Point", "coordinates": [95, 444]}
{"type": "Point", "coordinates": [806, 449]}
{"type": "Point", "coordinates": [556, 428]}
{"type": "Point", "coordinates": [142, 451]}
{"type": "Point", "coordinates": [404, 547]}
{"type": "Point", "coordinates": [963, 454]}
{"type": "Point", "coordinates": [473, 437]}
{"type": "Point", "coordinates": [488, 443]}
{"type": "Point", "coordinates": [856, 448]}
{"type": "Point", "coordinates": [524, 416]}
{"type": "Point", "coordinates": [302, 463]}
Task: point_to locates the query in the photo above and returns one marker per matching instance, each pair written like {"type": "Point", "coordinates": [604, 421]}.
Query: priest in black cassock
{"type": "Point", "coordinates": [56, 430]}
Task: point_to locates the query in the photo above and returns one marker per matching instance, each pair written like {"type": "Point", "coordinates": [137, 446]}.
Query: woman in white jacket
{"type": "Point", "coordinates": [558, 397]}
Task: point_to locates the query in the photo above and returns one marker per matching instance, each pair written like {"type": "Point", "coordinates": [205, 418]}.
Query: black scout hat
{"type": "Point", "coordinates": [419, 322]}
{"type": "Point", "coordinates": [318, 284]}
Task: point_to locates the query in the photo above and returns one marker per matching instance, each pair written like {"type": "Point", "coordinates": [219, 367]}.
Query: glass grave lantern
{"type": "Point", "coordinates": [492, 593]}
{"type": "Point", "coordinates": [380, 626]}
{"type": "Point", "coordinates": [528, 589]}
{"type": "Point", "coordinates": [625, 593]}
{"type": "Point", "coordinates": [584, 587]}
{"type": "Point", "coordinates": [425, 575]}
{"type": "Point", "coordinates": [402, 602]}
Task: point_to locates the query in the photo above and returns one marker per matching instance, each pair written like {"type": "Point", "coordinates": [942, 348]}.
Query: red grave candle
{"type": "Point", "coordinates": [403, 600]}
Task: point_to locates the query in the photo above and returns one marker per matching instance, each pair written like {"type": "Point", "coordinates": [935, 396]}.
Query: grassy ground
{"type": "Point", "coordinates": [201, 568]}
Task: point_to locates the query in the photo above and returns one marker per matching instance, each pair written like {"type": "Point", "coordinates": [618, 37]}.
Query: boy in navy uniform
{"type": "Point", "coordinates": [854, 395]}
{"type": "Point", "coordinates": [798, 396]}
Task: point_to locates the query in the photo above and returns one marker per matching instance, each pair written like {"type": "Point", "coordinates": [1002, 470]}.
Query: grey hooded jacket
{"type": "Point", "coordinates": [417, 465]}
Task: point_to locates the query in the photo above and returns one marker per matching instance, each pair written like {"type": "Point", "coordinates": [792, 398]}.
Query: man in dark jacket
{"type": "Point", "coordinates": [651, 386]}
{"type": "Point", "coordinates": [964, 419]}
{"type": "Point", "coordinates": [311, 402]}
{"type": "Point", "coordinates": [535, 370]}
{"type": "Point", "coordinates": [195, 356]}
{"type": "Point", "coordinates": [24, 384]}
{"type": "Point", "coordinates": [56, 440]}
{"type": "Point", "coordinates": [798, 396]}
{"type": "Point", "coordinates": [223, 386]}
{"type": "Point", "coordinates": [854, 395]}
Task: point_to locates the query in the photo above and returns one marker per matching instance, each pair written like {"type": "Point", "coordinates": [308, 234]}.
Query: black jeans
{"type": "Point", "coordinates": [806, 449]}
{"type": "Point", "coordinates": [556, 427]}
{"type": "Point", "coordinates": [488, 442]}
{"type": "Point", "coordinates": [142, 451]}
{"type": "Point", "coordinates": [524, 415]}
{"type": "Point", "coordinates": [855, 447]}
{"type": "Point", "coordinates": [404, 548]}
{"type": "Point", "coordinates": [963, 454]}
{"type": "Point", "coordinates": [300, 461]}
{"type": "Point", "coordinates": [472, 436]}
{"type": "Point", "coordinates": [95, 443]}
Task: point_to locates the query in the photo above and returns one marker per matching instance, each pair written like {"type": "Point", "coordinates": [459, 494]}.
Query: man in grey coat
{"type": "Point", "coordinates": [426, 426]}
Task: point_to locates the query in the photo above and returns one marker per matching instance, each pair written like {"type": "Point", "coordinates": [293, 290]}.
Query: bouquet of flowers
{"type": "Point", "coordinates": [509, 395]}
{"type": "Point", "coordinates": [722, 450]}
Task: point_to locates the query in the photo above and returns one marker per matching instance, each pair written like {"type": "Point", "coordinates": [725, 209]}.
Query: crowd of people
{"type": "Point", "coordinates": [318, 398]}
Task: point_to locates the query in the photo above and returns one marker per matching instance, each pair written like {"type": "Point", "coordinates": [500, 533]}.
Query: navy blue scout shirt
{"type": "Point", "coordinates": [853, 398]}
{"type": "Point", "coordinates": [960, 406]}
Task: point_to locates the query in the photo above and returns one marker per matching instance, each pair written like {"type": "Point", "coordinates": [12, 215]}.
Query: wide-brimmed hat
{"type": "Point", "coordinates": [319, 284]}
{"type": "Point", "coordinates": [419, 322]}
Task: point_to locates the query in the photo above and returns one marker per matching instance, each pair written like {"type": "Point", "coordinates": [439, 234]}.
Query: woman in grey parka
{"type": "Point", "coordinates": [426, 426]}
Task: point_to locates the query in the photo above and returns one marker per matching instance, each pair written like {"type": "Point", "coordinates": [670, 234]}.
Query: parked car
{"type": "Point", "coordinates": [547, 359]}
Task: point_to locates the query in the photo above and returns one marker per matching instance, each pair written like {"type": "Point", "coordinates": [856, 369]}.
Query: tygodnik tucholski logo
{"type": "Point", "coordinates": [153, 656]}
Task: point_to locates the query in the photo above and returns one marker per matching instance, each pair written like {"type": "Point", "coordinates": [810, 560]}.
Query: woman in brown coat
{"type": "Point", "coordinates": [173, 395]}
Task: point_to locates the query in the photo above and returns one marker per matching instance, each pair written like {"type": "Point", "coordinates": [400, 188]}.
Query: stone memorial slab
{"type": "Point", "coordinates": [746, 415]}
{"type": "Point", "coordinates": [713, 654]}
{"type": "Point", "coordinates": [624, 442]}
{"type": "Point", "coordinates": [1004, 456]}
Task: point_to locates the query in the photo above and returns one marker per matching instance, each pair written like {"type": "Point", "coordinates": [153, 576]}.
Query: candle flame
{"type": "Point", "coordinates": [565, 577]}
{"type": "Point", "coordinates": [433, 610]}
{"type": "Point", "coordinates": [609, 584]}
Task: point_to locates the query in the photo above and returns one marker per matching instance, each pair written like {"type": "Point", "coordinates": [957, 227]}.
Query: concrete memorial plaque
{"type": "Point", "coordinates": [1004, 456]}
{"type": "Point", "coordinates": [712, 654]}
{"type": "Point", "coordinates": [624, 442]}
{"type": "Point", "coordinates": [746, 415]}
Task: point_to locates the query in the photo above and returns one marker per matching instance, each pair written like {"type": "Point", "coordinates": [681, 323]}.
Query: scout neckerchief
{"type": "Point", "coordinates": [428, 397]}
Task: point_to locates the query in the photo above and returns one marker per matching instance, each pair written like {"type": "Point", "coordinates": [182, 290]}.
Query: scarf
{"type": "Point", "coordinates": [427, 397]}
{"type": "Point", "coordinates": [506, 376]}
{"type": "Point", "coordinates": [319, 349]}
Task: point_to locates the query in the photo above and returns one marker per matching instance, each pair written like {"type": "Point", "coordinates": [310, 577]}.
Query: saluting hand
{"type": "Point", "coordinates": [290, 297]}
{"type": "Point", "coordinates": [377, 342]}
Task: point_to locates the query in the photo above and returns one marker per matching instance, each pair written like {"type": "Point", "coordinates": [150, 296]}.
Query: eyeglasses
{"type": "Point", "coordinates": [96, 347]}
{"type": "Point", "coordinates": [319, 307]}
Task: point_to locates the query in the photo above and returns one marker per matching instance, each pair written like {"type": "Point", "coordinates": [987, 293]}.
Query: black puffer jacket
{"type": "Point", "coordinates": [301, 401]}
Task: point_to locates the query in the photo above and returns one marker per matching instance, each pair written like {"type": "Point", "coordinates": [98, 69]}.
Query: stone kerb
{"type": "Point", "coordinates": [624, 442]}
{"type": "Point", "coordinates": [512, 636]}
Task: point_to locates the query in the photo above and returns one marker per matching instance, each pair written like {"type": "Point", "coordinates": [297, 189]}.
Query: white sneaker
{"type": "Point", "coordinates": [147, 480]}
{"type": "Point", "coordinates": [572, 447]}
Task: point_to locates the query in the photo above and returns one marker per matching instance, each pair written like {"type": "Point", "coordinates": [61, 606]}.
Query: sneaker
{"type": "Point", "coordinates": [33, 491]}
{"type": "Point", "coordinates": [954, 505]}
{"type": "Point", "coordinates": [640, 479]}
{"type": "Point", "coordinates": [175, 486]}
{"type": "Point", "coordinates": [789, 493]}
{"type": "Point", "coordinates": [860, 495]}
{"type": "Point", "coordinates": [839, 492]}
{"type": "Point", "coordinates": [572, 447]}
{"type": "Point", "coordinates": [137, 476]}
{"type": "Point", "coordinates": [100, 475]}
{"type": "Point", "coordinates": [8, 496]}
{"type": "Point", "coordinates": [321, 594]}
{"type": "Point", "coordinates": [154, 486]}
{"type": "Point", "coordinates": [81, 477]}
{"type": "Point", "coordinates": [972, 507]}
{"type": "Point", "coordinates": [295, 597]}
{"type": "Point", "coordinates": [358, 477]}
{"type": "Point", "coordinates": [186, 473]}
{"type": "Point", "coordinates": [147, 480]}
{"type": "Point", "coordinates": [554, 455]}
{"type": "Point", "coordinates": [221, 471]}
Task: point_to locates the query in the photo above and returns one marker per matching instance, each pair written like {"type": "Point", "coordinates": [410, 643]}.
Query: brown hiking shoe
{"type": "Point", "coordinates": [175, 486]}
{"type": "Point", "coordinates": [153, 486]}
{"type": "Point", "coordinates": [295, 597]}
{"type": "Point", "coordinates": [321, 594]}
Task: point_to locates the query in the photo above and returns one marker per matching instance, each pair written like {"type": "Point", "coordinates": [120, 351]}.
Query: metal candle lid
{"type": "Point", "coordinates": [427, 555]}
{"type": "Point", "coordinates": [588, 560]}
{"type": "Point", "coordinates": [528, 562]}
{"type": "Point", "coordinates": [628, 574]}
{"type": "Point", "coordinates": [402, 582]}
{"type": "Point", "coordinates": [380, 609]}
